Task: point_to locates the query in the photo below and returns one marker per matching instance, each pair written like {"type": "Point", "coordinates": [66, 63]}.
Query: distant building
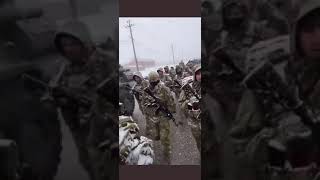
{"type": "Point", "coordinates": [142, 63]}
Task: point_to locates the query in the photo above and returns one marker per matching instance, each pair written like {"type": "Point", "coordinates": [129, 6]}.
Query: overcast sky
{"type": "Point", "coordinates": [154, 36]}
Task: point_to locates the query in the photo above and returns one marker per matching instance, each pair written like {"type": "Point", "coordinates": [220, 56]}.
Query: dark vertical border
{"type": "Point", "coordinates": [159, 8]}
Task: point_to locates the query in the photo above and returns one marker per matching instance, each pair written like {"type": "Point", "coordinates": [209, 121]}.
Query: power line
{"type": "Point", "coordinates": [134, 49]}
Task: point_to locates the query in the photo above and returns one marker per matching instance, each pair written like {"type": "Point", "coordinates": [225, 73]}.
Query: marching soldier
{"type": "Point", "coordinates": [190, 103]}
{"type": "Point", "coordinates": [178, 78]}
{"type": "Point", "coordinates": [166, 70]}
{"type": "Point", "coordinates": [165, 78]}
{"type": "Point", "coordinates": [269, 119]}
{"type": "Point", "coordinates": [84, 102]}
{"type": "Point", "coordinates": [138, 88]}
{"type": "Point", "coordinates": [158, 126]}
{"type": "Point", "coordinates": [172, 72]}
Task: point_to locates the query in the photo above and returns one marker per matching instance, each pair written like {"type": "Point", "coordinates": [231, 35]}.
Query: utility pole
{"type": "Point", "coordinates": [134, 49]}
{"type": "Point", "coordinates": [172, 54]}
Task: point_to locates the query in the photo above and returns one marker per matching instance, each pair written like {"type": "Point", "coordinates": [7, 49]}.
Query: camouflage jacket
{"type": "Point", "coordinates": [172, 73]}
{"type": "Point", "coordinates": [83, 81]}
{"type": "Point", "coordinates": [138, 88]}
{"type": "Point", "coordinates": [179, 79]}
{"type": "Point", "coordinates": [164, 94]}
{"type": "Point", "coordinates": [261, 117]}
{"type": "Point", "coordinates": [166, 80]}
{"type": "Point", "coordinates": [226, 79]}
{"type": "Point", "coordinates": [186, 100]}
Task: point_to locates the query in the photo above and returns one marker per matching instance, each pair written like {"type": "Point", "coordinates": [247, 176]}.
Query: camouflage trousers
{"type": "Point", "coordinates": [158, 128]}
{"type": "Point", "coordinates": [102, 142]}
{"type": "Point", "coordinates": [99, 162]}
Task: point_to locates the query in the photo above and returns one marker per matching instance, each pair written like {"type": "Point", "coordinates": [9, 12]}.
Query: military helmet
{"type": "Point", "coordinates": [153, 77]}
{"type": "Point", "coordinates": [166, 67]}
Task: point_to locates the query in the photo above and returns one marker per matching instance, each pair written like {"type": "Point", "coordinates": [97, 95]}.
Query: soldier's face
{"type": "Point", "coordinates": [310, 39]}
{"type": "Point", "coordinates": [137, 79]}
{"type": "Point", "coordinates": [166, 70]}
{"type": "Point", "coordinates": [198, 76]}
{"type": "Point", "coordinates": [160, 73]}
{"type": "Point", "coordinates": [154, 83]}
{"type": "Point", "coordinates": [72, 48]}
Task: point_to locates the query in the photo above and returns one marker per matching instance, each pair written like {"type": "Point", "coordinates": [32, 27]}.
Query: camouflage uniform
{"type": "Point", "coordinates": [165, 78]}
{"type": "Point", "coordinates": [193, 115]}
{"type": "Point", "coordinates": [237, 35]}
{"type": "Point", "coordinates": [138, 90]}
{"type": "Point", "coordinates": [158, 127]}
{"type": "Point", "coordinates": [234, 42]}
{"type": "Point", "coordinates": [172, 73]}
{"type": "Point", "coordinates": [93, 123]}
{"type": "Point", "coordinates": [188, 70]}
{"type": "Point", "coordinates": [166, 70]}
{"type": "Point", "coordinates": [178, 77]}
{"type": "Point", "coordinates": [261, 121]}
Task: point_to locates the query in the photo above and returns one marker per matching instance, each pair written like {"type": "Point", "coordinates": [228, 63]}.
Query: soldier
{"type": "Point", "coordinates": [182, 65]}
{"type": "Point", "coordinates": [85, 104]}
{"type": "Point", "coordinates": [178, 77]}
{"type": "Point", "coordinates": [263, 123]}
{"type": "Point", "coordinates": [225, 62]}
{"type": "Point", "coordinates": [238, 35]}
{"type": "Point", "coordinates": [159, 126]}
{"type": "Point", "coordinates": [165, 78]}
{"type": "Point", "coordinates": [190, 104]}
{"type": "Point", "coordinates": [138, 88]}
{"type": "Point", "coordinates": [172, 73]}
{"type": "Point", "coordinates": [166, 70]}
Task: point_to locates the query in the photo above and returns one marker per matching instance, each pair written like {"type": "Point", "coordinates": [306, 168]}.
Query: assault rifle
{"type": "Point", "coordinates": [266, 81]}
{"type": "Point", "coordinates": [264, 77]}
{"type": "Point", "coordinates": [161, 107]}
{"type": "Point", "coordinates": [188, 89]}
